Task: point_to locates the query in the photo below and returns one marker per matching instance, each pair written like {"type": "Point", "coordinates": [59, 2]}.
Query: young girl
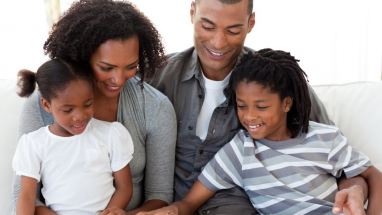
{"type": "Point", "coordinates": [77, 158]}
{"type": "Point", "coordinates": [285, 163]}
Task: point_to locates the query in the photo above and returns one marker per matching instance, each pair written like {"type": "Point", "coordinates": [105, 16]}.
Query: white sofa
{"type": "Point", "coordinates": [354, 107]}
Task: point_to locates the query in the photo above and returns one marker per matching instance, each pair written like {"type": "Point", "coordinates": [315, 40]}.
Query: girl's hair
{"type": "Point", "coordinates": [89, 23]}
{"type": "Point", "coordinates": [280, 72]}
{"type": "Point", "coordinates": [52, 76]}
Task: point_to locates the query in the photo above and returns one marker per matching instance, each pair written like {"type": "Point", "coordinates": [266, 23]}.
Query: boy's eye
{"type": "Point", "coordinates": [240, 106]}
{"type": "Point", "coordinates": [262, 107]}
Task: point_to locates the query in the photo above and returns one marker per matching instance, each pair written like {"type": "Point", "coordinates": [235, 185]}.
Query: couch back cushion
{"type": "Point", "coordinates": [356, 108]}
{"type": "Point", "coordinates": [10, 108]}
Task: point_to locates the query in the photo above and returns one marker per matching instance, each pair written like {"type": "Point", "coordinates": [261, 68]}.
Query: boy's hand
{"type": "Point", "coordinates": [349, 201]}
{"type": "Point", "coordinates": [113, 211]}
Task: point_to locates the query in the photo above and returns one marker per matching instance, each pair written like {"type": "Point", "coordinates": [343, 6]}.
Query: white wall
{"type": "Point", "coordinates": [23, 27]}
{"type": "Point", "coordinates": [336, 40]}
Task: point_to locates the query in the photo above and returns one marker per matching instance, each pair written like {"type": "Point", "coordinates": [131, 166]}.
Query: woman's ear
{"type": "Point", "coordinates": [45, 104]}
{"type": "Point", "coordinates": [287, 103]}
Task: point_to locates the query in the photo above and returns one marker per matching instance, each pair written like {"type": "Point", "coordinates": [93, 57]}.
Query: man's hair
{"type": "Point", "coordinates": [280, 72]}
{"type": "Point", "coordinates": [250, 3]}
{"type": "Point", "coordinates": [89, 23]}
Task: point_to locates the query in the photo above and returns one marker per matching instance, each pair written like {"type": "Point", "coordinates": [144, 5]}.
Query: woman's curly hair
{"type": "Point", "coordinates": [89, 23]}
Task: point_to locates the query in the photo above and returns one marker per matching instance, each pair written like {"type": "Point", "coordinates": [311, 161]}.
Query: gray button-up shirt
{"type": "Point", "coordinates": [181, 80]}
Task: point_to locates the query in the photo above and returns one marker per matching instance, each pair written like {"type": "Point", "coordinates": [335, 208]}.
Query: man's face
{"type": "Point", "coordinates": [219, 33]}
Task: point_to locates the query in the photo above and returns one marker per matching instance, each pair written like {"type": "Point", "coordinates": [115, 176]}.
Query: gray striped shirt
{"type": "Point", "coordinates": [295, 176]}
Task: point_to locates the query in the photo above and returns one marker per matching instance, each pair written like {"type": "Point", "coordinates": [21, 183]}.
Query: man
{"type": "Point", "coordinates": [194, 80]}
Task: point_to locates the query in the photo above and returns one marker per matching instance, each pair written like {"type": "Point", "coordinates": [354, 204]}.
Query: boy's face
{"type": "Point", "coordinates": [72, 108]}
{"type": "Point", "coordinates": [219, 34]}
{"type": "Point", "coordinates": [261, 111]}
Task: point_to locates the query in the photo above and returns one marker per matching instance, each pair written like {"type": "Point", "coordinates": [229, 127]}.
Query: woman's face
{"type": "Point", "coordinates": [113, 63]}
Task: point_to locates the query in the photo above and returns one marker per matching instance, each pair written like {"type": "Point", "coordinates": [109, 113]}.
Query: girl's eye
{"type": "Point", "coordinates": [67, 110]}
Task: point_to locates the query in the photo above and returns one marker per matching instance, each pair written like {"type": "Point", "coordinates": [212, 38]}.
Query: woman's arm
{"type": "Point", "coordinates": [160, 156]}
{"type": "Point", "coordinates": [26, 200]}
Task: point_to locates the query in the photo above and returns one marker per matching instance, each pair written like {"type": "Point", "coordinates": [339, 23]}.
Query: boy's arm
{"type": "Point", "coordinates": [26, 202]}
{"type": "Point", "coordinates": [195, 198]}
{"type": "Point", "coordinates": [123, 190]}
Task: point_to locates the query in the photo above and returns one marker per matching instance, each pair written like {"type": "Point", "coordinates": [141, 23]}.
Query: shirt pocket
{"type": "Point", "coordinates": [97, 160]}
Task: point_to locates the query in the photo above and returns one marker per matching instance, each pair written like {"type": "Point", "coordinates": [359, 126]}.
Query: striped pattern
{"type": "Point", "coordinates": [286, 177]}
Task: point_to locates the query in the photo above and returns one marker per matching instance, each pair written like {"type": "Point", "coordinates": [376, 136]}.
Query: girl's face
{"type": "Point", "coordinates": [113, 63]}
{"type": "Point", "coordinates": [72, 108]}
{"type": "Point", "coordinates": [261, 111]}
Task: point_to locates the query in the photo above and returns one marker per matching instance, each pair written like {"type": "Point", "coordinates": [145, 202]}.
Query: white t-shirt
{"type": "Point", "coordinates": [76, 172]}
{"type": "Point", "coordinates": [214, 96]}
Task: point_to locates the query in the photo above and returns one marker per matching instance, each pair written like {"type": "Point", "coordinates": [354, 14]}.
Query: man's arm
{"type": "Point", "coordinates": [351, 196]}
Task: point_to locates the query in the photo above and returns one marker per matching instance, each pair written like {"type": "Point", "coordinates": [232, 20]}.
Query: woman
{"type": "Point", "coordinates": [117, 42]}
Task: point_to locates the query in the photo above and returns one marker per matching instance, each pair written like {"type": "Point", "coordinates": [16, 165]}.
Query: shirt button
{"type": "Point", "coordinates": [190, 128]}
{"type": "Point", "coordinates": [201, 151]}
{"type": "Point", "coordinates": [205, 212]}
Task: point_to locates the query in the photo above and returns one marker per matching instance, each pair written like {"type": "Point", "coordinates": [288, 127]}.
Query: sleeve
{"type": "Point", "coordinates": [344, 158]}
{"type": "Point", "coordinates": [31, 119]}
{"type": "Point", "coordinates": [222, 171]}
{"type": "Point", "coordinates": [26, 161]}
{"type": "Point", "coordinates": [160, 151]}
{"type": "Point", "coordinates": [318, 111]}
{"type": "Point", "coordinates": [121, 146]}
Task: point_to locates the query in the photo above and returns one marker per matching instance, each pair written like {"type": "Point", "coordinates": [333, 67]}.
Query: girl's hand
{"type": "Point", "coordinates": [169, 210]}
{"type": "Point", "coordinates": [113, 211]}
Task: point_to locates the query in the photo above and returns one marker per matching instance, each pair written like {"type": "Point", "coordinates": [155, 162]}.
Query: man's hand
{"type": "Point", "coordinates": [349, 201]}
{"type": "Point", "coordinates": [113, 211]}
{"type": "Point", "coordinates": [169, 210]}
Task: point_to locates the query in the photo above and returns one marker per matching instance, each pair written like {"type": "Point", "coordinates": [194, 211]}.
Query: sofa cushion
{"type": "Point", "coordinates": [356, 108]}
{"type": "Point", "coordinates": [9, 114]}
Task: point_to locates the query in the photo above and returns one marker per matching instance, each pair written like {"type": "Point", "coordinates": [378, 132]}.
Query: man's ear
{"type": "Point", "coordinates": [192, 11]}
{"type": "Point", "coordinates": [288, 102]}
{"type": "Point", "coordinates": [45, 104]}
{"type": "Point", "coordinates": [251, 22]}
